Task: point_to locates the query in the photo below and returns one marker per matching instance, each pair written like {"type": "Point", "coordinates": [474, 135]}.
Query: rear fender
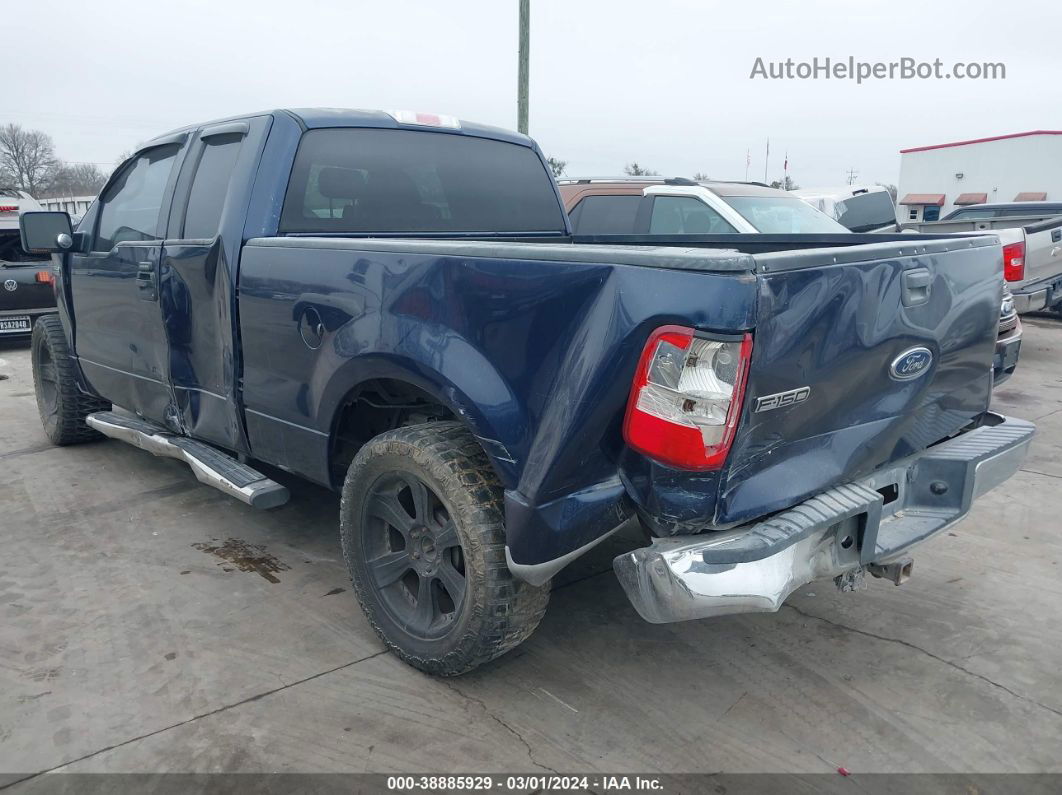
{"type": "Point", "coordinates": [487, 406]}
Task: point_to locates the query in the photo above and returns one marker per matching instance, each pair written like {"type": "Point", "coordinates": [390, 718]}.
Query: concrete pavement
{"type": "Point", "coordinates": [151, 624]}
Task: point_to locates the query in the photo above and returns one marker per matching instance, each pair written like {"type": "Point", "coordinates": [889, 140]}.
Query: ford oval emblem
{"type": "Point", "coordinates": [911, 364]}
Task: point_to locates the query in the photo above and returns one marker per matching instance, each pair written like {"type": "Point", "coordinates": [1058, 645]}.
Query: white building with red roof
{"type": "Point", "coordinates": [934, 180]}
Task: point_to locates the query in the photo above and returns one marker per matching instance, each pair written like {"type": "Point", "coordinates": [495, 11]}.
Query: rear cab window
{"type": "Point", "coordinates": [969, 215]}
{"type": "Point", "coordinates": [362, 180]}
{"type": "Point", "coordinates": [1015, 212]}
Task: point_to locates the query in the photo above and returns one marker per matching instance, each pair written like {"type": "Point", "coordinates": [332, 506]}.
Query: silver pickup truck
{"type": "Point", "coordinates": [1032, 247]}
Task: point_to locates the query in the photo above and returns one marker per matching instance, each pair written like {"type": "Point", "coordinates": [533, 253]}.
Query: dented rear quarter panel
{"type": "Point", "coordinates": [537, 358]}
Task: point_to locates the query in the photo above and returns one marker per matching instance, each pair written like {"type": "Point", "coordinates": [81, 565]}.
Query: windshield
{"type": "Point", "coordinates": [781, 215]}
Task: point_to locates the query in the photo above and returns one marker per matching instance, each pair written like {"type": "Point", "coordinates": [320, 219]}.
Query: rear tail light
{"type": "Point", "coordinates": [1014, 262]}
{"type": "Point", "coordinates": [45, 277]}
{"type": "Point", "coordinates": [686, 399]}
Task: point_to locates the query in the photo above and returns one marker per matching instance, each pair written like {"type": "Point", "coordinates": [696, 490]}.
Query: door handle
{"type": "Point", "coordinates": [916, 286]}
{"type": "Point", "coordinates": [146, 282]}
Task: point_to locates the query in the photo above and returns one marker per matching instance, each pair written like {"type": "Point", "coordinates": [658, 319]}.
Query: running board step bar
{"type": "Point", "coordinates": [211, 466]}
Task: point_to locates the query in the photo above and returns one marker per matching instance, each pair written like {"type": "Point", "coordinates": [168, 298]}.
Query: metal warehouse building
{"type": "Point", "coordinates": [936, 179]}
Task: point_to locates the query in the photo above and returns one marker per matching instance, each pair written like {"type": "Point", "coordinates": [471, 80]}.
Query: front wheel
{"type": "Point", "coordinates": [61, 403]}
{"type": "Point", "coordinates": [422, 527]}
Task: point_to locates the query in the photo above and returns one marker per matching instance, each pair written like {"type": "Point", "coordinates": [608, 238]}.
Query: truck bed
{"type": "Point", "coordinates": [534, 344]}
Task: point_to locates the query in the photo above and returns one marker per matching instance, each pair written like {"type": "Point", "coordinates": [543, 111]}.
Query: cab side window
{"type": "Point", "coordinates": [685, 215]}
{"type": "Point", "coordinates": [129, 208]}
{"type": "Point", "coordinates": [605, 215]}
{"type": "Point", "coordinates": [211, 186]}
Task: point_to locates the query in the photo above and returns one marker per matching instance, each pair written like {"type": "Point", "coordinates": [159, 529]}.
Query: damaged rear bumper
{"type": "Point", "coordinates": [871, 521]}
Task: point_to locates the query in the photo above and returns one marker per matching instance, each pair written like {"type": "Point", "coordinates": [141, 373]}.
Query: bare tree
{"type": "Point", "coordinates": [634, 170]}
{"type": "Point", "coordinates": [556, 166]}
{"type": "Point", "coordinates": [700, 176]}
{"type": "Point", "coordinates": [890, 188]}
{"type": "Point", "coordinates": [76, 179]}
{"type": "Point", "coordinates": [27, 158]}
{"type": "Point", "coordinates": [787, 184]}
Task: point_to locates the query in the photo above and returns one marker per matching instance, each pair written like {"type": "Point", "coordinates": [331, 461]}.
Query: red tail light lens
{"type": "Point", "coordinates": [45, 277]}
{"type": "Point", "coordinates": [1014, 262]}
{"type": "Point", "coordinates": [686, 399]}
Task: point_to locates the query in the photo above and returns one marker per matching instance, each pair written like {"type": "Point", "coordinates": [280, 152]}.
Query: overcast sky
{"type": "Point", "coordinates": [662, 82]}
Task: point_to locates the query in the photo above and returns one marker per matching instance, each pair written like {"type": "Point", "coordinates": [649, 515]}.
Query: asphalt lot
{"type": "Point", "coordinates": [152, 624]}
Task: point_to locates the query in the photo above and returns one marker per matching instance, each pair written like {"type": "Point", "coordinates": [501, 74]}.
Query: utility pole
{"type": "Point", "coordinates": [852, 174]}
{"type": "Point", "coordinates": [521, 80]}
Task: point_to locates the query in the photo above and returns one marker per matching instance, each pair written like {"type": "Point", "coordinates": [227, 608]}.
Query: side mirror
{"type": "Point", "coordinates": [46, 232]}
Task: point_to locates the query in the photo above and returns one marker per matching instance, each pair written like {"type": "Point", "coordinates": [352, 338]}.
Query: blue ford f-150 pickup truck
{"type": "Point", "coordinates": [392, 305]}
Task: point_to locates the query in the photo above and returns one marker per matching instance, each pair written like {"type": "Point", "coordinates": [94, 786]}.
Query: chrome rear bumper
{"type": "Point", "coordinates": [1030, 302]}
{"type": "Point", "coordinates": [846, 529]}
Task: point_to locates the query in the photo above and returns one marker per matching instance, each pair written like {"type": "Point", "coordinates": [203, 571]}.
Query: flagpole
{"type": "Point", "coordinates": [766, 160]}
{"type": "Point", "coordinates": [748, 162]}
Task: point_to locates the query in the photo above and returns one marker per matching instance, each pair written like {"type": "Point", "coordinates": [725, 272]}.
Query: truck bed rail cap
{"type": "Point", "coordinates": [775, 261]}
{"type": "Point", "coordinates": [693, 259]}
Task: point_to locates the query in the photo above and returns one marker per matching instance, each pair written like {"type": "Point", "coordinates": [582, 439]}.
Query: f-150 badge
{"type": "Point", "coordinates": [782, 399]}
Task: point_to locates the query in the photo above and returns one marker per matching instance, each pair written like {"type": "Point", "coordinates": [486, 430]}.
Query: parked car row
{"type": "Point", "coordinates": [1032, 247]}
{"type": "Point", "coordinates": [679, 206]}
{"type": "Point", "coordinates": [1031, 234]}
{"type": "Point", "coordinates": [394, 305]}
{"type": "Point", "coordinates": [651, 206]}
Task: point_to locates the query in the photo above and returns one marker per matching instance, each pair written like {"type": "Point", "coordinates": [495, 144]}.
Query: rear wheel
{"type": "Point", "coordinates": [423, 536]}
{"type": "Point", "coordinates": [61, 404]}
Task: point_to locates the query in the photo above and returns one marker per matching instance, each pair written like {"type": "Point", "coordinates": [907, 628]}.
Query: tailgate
{"type": "Point", "coordinates": [1043, 251]}
{"type": "Point", "coordinates": [861, 357]}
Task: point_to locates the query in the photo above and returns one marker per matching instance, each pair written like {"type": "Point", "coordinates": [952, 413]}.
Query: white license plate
{"type": "Point", "coordinates": [14, 325]}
